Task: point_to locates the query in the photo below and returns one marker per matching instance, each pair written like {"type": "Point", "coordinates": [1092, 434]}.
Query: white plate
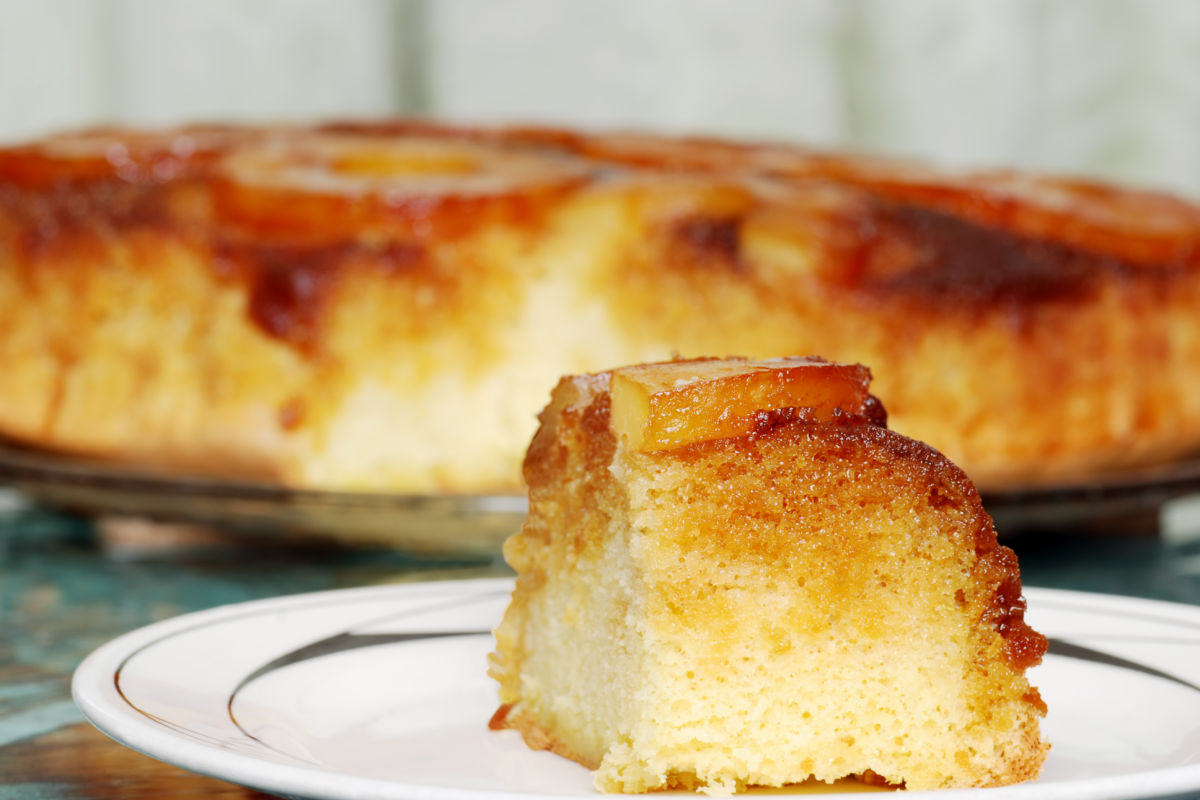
{"type": "Point", "coordinates": [382, 693]}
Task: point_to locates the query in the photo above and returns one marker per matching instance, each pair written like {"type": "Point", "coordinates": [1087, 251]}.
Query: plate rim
{"type": "Point", "coordinates": [96, 694]}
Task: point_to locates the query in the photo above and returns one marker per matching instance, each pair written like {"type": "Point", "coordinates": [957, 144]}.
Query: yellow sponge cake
{"type": "Point", "coordinates": [734, 574]}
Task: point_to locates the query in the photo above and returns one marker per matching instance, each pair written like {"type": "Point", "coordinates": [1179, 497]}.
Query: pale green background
{"type": "Point", "coordinates": [1107, 88]}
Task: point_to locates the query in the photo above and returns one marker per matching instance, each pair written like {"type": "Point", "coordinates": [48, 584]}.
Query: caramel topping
{"type": "Point", "coordinates": [931, 255]}
{"type": "Point", "coordinates": [706, 241]}
{"type": "Point", "coordinates": [1007, 611]}
{"type": "Point", "coordinates": [289, 283]}
{"type": "Point", "coordinates": [499, 718]}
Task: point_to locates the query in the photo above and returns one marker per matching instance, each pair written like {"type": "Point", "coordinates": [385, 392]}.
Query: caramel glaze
{"type": "Point", "coordinates": [930, 243]}
{"type": "Point", "coordinates": [765, 421]}
{"type": "Point", "coordinates": [949, 261]}
{"type": "Point", "coordinates": [700, 242]}
{"type": "Point", "coordinates": [499, 719]}
{"type": "Point", "coordinates": [290, 283]}
{"type": "Point", "coordinates": [104, 204]}
{"type": "Point", "coordinates": [1139, 227]}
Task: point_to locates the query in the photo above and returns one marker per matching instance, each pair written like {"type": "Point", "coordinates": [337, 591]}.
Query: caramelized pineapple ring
{"type": "Point", "coordinates": [338, 184]}
{"type": "Point", "coordinates": [141, 157]}
{"type": "Point", "coordinates": [671, 404]}
{"type": "Point", "coordinates": [1142, 226]}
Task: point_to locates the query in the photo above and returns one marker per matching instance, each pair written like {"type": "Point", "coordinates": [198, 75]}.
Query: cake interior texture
{"type": "Point", "coordinates": [813, 600]}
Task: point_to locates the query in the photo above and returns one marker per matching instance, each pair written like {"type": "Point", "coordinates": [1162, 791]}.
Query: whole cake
{"type": "Point", "coordinates": [376, 305]}
{"type": "Point", "coordinates": [734, 574]}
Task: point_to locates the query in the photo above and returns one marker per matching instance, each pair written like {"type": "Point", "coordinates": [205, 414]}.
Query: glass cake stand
{"type": "Point", "coordinates": [476, 525]}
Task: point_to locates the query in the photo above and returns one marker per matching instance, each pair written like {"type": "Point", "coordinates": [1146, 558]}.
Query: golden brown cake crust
{"type": "Point", "coordinates": [809, 558]}
{"type": "Point", "coordinates": [271, 295]}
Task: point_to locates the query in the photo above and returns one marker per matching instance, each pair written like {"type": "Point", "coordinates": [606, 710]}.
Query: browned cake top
{"type": "Point", "coordinates": [289, 210]}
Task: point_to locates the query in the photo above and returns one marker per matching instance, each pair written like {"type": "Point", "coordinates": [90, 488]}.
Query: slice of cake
{"type": "Point", "coordinates": [734, 574]}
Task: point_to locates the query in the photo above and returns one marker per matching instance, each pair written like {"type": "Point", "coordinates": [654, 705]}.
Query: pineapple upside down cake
{"type": "Point", "coordinates": [377, 306]}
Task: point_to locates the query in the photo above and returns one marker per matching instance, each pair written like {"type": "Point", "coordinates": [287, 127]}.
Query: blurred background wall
{"type": "Point", "coordinates": [1105, 88]}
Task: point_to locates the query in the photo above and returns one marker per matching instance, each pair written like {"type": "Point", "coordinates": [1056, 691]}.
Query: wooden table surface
{"type": "Point", "coordinates": [67, 586]}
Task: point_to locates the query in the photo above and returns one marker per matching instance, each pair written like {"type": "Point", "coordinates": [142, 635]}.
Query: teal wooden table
{"type": "Point", "coordinates": [67, 586]}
